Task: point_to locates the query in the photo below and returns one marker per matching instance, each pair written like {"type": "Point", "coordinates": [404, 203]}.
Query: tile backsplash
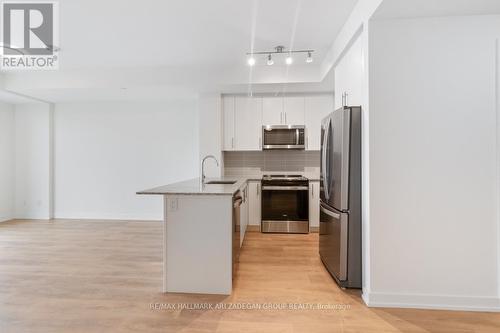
{"type": "Point", "coordinates": [254, 162]}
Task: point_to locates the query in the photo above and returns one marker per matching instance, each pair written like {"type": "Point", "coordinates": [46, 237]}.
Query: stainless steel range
{"type": "Point", "coordinates": [285, 204]}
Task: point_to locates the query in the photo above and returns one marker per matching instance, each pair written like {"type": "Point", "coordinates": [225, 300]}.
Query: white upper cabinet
{"type": "Point", "coordinates": [228, 122]}
{"type": "Point", "coordinates": [349, 74]}
{"type": "Point", "coordinates": [316, 108]}
{"type": "Point", "coordinates": [293, 108]}
{"type": "Point", "coordinates": [243, 117]}
{"type": "Point", "coordinates": [272, 110]}
{"type": "Point", "coordinates": [248, 123]}
{"type": "Point", "coordinates": [283, 110]}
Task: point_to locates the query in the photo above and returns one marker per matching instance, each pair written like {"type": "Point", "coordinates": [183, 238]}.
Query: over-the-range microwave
{"type": "Point", "coordinates": [283, 137]}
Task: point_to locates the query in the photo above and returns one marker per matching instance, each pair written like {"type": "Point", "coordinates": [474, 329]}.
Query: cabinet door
{"type": "Point", "coordinates": [313, 203]}
{"type": "Point", "coordinates": [316, 108]}
{"type": "Point", "coordinates": [254, 207]}
{"type": "Point", "coordinates": [228, 122]}
{"type": "Point", "coordinates": [244, 215]}
{"type": "Point", "coordinates": [349, 75]}
{"type": "Point", "coordinates": [341, 77]}
{"type": "Point", "coordinates": [248, 123]}
{"type": "Point", "coordinates": [272, 110]}
{"type": "Point", "coordinates": [294, 110]}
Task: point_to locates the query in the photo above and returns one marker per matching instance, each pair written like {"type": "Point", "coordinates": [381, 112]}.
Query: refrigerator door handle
{"type": "Point", "coordinates": [344, 167]}
{"type": "Point", "coordinates": [325, 171]}
{"type": "Point", "coordinates": [329, 213]}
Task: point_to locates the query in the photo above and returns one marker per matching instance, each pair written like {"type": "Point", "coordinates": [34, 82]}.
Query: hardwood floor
{"type": "Point", "coordinates": [103, 276]}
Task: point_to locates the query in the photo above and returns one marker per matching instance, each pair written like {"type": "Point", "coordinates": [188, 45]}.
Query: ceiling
{"type": "Point", "coordinates": [157, 49]}
{"type": "Point", "coordinates": [96, 33]}
{"type": "Point", "coordinates": [390, 9]}
{"type": "Point", "coordinates": [13, 98]}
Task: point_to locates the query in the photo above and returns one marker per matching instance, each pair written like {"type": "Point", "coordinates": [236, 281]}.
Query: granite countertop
{"type": "Point", "coordinates": [193, 187]}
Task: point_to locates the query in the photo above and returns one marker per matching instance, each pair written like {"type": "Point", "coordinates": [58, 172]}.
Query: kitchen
{"type": "Point", "coordinates": [280, 202]}
{"type": "Point", "coordinates": [281, 167]}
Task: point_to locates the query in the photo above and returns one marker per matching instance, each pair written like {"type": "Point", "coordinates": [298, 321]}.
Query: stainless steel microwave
{"type": "Point", "coordinates": [283, 137]}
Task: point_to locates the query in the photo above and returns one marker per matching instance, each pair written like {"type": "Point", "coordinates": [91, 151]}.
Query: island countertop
{"type": "Point", "coordinates": [194, 187]}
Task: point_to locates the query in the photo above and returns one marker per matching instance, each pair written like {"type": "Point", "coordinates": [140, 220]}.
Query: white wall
{"type": "Point", "coordinates": [6, 161]}
{"type": "Point", "coordinates": [433, 164]}
{"type": "Point", "coordinates": [105, 152]}
{"type": "Point", "coordinates": [497, 79]}
{"type": "Point", "coordinates": [33, 161]}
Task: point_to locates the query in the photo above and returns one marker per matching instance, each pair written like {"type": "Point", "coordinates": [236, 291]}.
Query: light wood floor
{"type": "Point", "coordinates": [102, 276]}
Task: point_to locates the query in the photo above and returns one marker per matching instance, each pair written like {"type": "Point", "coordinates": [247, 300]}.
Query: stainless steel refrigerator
{"type": "Point", "coordinates": [340, 197]}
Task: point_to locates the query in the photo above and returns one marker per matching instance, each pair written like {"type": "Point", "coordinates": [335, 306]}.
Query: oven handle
{"type": "Point", "coordinates": [285, 188]}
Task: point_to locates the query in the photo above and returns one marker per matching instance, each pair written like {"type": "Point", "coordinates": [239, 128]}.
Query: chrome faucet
{"type": "Point", "coordinates": [203, 167]}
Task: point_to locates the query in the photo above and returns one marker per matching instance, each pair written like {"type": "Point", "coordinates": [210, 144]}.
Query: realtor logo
{"type": "Point", "coordinates": [30, 35]}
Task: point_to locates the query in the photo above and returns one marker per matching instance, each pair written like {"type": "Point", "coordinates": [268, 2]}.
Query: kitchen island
{"type": "Point", "coordinates": [198, 235]}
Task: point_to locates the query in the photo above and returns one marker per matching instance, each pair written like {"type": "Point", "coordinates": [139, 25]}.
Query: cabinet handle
{"type": "Point", "coordinates": [312, 190]}
{"type": "Point", "coordinates": [285, 118]}
{"type": "Point", "coordinates": [258, 189]}
{"type": "Point", "coordinates": [232, 142]}
{"type": "Point", "coordinates": [346, 96]}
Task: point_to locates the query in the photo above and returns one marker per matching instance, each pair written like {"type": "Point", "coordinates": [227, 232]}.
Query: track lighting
{"type": "Point", "coordinates": [309, 58]}
{"type": "Point", "coordinates": [270, 60]}
{"type": "Point", "coordinates": [279, 50]}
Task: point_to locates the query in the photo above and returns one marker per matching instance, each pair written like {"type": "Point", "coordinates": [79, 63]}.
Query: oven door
{"type": "Point", "coordinates": [283, 137]}
{"type": "Point", "coordinates": [285, 209]}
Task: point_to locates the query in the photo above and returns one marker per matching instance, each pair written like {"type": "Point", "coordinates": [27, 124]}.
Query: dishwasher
{"type": "Point", "coordinates": [237, 201]}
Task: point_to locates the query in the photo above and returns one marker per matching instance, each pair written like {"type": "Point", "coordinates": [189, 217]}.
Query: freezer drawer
{"type": "Point", "coordinates": [333, 231]}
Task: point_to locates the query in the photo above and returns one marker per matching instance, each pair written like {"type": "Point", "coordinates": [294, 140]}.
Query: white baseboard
{"type": "Point", "coordinates": [5, 218]}
{"type": "Point", "coordinates": [106, 216]}
{"type": "Point", "coordinates": [31, 216]}
{"type": "Point", "coordinates": [435, 302]}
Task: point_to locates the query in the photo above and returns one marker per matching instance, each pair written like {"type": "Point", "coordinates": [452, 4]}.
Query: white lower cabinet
{"type": "Point", "coordinates": [313, 204]}
{"type": "Point", "coordinates": [243, 214]}
{"type": "Point", "coordinates": [254, 199]}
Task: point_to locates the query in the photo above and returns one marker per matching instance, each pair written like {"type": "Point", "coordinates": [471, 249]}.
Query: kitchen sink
{"type": "Point", "coordinates": [221, 182]}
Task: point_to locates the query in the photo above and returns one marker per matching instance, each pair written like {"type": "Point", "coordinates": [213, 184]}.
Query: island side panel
{"type": "Point", "coordinates": [164, 244]}
{"type": "Point", "coordinates": [198, 254]}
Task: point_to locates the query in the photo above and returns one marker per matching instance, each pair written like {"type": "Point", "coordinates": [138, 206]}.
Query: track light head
{"type": "Point", "coordinates": [270, 60]}
{"type": "Point", "coordinates": [309, 58]}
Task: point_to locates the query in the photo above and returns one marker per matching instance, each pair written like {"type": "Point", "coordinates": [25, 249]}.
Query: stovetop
{"type": "Point", "coordinates": [281, 178]}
